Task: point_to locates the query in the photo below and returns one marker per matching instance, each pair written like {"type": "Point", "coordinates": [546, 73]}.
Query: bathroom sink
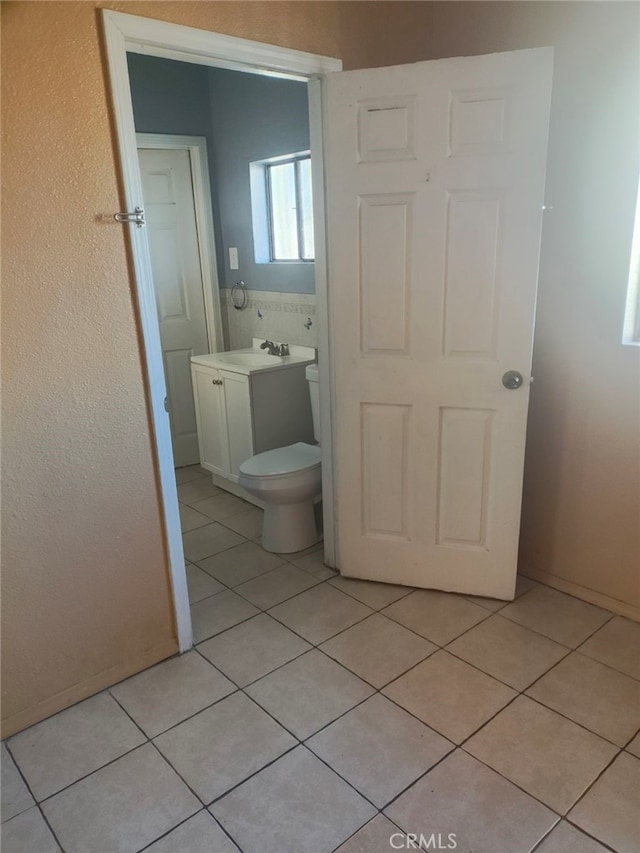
{"type": "Point", "coordinates": [249, 359]}
{"type": "Point", "coordinates": [254, 360]}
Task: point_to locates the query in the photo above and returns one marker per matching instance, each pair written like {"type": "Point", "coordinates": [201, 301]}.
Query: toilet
{"type": "Point", "coordinates": [288, 481]}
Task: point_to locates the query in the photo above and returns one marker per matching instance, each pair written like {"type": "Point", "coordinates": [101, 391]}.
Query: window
{"type": "Point", "coordinates": [282, 210]}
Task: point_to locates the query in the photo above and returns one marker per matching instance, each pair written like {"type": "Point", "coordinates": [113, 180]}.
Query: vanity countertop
{"type": "Point", "coordinates": [255, 360]}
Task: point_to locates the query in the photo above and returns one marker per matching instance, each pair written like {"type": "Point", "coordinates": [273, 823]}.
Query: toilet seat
{"type": "Point", "coordinates": [282, 462]}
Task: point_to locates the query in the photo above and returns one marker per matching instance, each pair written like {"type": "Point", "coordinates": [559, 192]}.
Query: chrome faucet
{"type": "Point", "coordinates": [275, 349]}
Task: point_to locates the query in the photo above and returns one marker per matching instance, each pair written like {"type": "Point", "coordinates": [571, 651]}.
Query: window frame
{"type": "Point", "coordinates": [295, 159]}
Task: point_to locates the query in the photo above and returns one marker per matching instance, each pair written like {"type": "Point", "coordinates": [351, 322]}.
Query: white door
{"type": "Point", "coordinates": [177, 275]}
{"type": "Point", "coordinates": [435, 178]}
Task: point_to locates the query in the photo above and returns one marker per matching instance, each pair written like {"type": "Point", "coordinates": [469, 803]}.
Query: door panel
{"type": "Point", "coordinates": [177, 278]}
{"type": "Point", "coordinates": [435, 178]}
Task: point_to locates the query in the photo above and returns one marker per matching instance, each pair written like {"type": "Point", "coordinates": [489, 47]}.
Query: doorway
{"type": "Point", "coordinates": [435, 193]}
{"type": "Point", "coordinates": [125, 33]}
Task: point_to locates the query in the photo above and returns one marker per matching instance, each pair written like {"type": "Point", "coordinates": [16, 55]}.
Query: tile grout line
{"type": "Point", "coordinates": [51, 829]}
{"type": "Point", "coordinates": [36, 804]}
{"type": "Point", "coordinates": [556, 825]}
{"type": "Point", "coordinates": [376, 690]}
{"type": "Point", "coordinates": [443, 648]}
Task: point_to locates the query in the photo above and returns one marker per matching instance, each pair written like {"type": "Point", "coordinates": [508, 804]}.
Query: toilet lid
{"type": "Point", "coordinates": [282, 460]}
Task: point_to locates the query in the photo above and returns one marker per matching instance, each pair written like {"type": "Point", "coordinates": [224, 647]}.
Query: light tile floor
{"type": "Point", "coordinates": [320, 714]}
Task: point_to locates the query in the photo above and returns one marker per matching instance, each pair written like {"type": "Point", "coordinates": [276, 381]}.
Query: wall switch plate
{"type": "Point", "coordinates": [233, 259]}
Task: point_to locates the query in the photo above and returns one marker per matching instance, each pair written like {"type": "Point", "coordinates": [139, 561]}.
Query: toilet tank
{"type": "Point", "coordinates": [311, 372]}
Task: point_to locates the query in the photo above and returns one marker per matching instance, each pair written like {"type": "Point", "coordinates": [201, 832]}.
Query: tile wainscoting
{"type": "Point", "coordinates": [276, 316]}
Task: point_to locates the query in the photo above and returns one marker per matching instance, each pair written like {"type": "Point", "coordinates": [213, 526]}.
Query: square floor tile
{"type": "Point", "coordinates": [494, 604]}
{"type": "Point", "coordinates": [550, 757]}
{"type": "Point", "coordinates": [186, 475]}
{"type": "Point", "coordinates": [223, 745]}
{"type": "Point", "coordinates": [208, 540]}
{"type": "Point", "coordinates": [609, 811]}
{"type": "Point", "coordinates": [121, 807]}
{"type": "Point", "coordinates": [378, 649]}
{"type": "Point", "coordinates": [524, 584]}
{"type": "Point", "coordinates": [200, 834]}
{"type": "Point", "coordinates": [28, 833]}
{"type": "Point", "coordinates": [247, 522]}
{"type": "Point", "coordinates": [374, 837]}
{"type": "Point", "coordinates": [317, 549]}
{"type": "Point", "coordinates": [634, 746]}
{"type": "Point", "coordinates": [374, 595]}
{"type": "Point", "coordinates": [171, 691]}
{"type": "Point", "coordinates": [449, 695]}
{"type": "Point", "coordinates": [15, 794]}
{"type": "Point", "coordinates": [223, 505]}
{"type": "Point", "coordinates": [313, 563]}
{"type": "Point", "coordinates": [486, 813]}
{"type": "Point", "coordinates": [376, 735]}
{"type": "Point", "coordinates": [319, 613]}
{"type": "Point", "coordinates": [438, 616]}
{"type": "Point", "coordinates": [617, 644]}
{"type": "Point", "coordinates": [297, 804]}
{"type": "Point", "coordinates": [275, 586]}
{"type": "Point", "coordinates": [200, 584]}
{"type": "Point", "coordinates": [197, 490]}
{"type": "Point", "coordinates": [596, 696]}
{"type": "Point", "coordinates": [240, 564]}
{"type": "Point", "coordinates": [253, 649]}
{"type": "Point", "coordinates": [58, 751]}
{"type": "Point", "coordinates": [191, 518]}
{"type": "Point", "coordinates": [561, 617]}
{"type": "Point", "coordinates": [217, 613]}
{"type": "Point", "coordinates": [508, 651]}
{"type": "Point", "coordinates": [308, 693]}
{"type": "Point", "coordinates": [565, 838]}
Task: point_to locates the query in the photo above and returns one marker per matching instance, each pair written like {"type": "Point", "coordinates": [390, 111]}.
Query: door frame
{"type": "Point", "coordinates": [129, 33]}
{"type": "Point", "coordinates": [196, 147]}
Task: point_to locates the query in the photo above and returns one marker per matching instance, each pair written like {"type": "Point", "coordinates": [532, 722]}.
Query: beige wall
{"type": "Point", "coordinates": [85, 590]}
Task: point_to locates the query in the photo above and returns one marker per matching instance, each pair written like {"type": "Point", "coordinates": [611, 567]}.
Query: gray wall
{"type": "Point", "coordinates": [173, 97]}
{"type": "Point", "coordinates": [244, 117]}
{"type": "Point", "coordinates": [254, 118]}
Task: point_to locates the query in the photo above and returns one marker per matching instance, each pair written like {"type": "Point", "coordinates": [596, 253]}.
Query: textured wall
{"type": "Point", "coordinates": [85, 593]}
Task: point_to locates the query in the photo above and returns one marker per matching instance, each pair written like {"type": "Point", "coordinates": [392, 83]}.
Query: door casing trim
{"type": "Point", "coordinates": [130, 33]}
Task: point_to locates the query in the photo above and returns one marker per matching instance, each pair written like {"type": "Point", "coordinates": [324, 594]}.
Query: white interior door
{"type": "Point", "coordinates": [177, 275]}
{"type": "Point", "coordinates": [435, 179]}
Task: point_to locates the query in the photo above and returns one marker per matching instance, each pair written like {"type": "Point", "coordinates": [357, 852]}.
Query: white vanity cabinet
{"type": "Point", "coordinates": [244, 409]}
{"type": "Point", "coordinates": [223, 417]}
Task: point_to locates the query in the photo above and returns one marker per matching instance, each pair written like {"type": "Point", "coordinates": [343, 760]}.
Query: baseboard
{"type": "Point", "coordinates": [622, 608]}
{"type": "Point", "coordinates": [52, 705]}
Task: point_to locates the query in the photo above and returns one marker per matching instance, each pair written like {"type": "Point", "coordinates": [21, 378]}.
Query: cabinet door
{"type": "Point", "coordinates": [211, 421]}
{"type": "Point", "coordinates": [238, 416]}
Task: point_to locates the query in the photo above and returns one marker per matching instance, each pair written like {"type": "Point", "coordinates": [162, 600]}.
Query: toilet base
{"type": "Point", "coordinates": [289, 527]}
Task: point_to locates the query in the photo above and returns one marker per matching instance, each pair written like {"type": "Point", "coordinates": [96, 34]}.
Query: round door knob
{"type": "Point", "coordinates": [512, 380]}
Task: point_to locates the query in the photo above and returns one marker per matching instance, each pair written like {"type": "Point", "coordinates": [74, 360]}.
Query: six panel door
{"type": "Point", "coordinates": [435, 179]}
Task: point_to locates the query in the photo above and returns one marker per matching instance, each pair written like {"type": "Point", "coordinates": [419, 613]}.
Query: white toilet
{"type": "Point", "coordinates": [288, 481]}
